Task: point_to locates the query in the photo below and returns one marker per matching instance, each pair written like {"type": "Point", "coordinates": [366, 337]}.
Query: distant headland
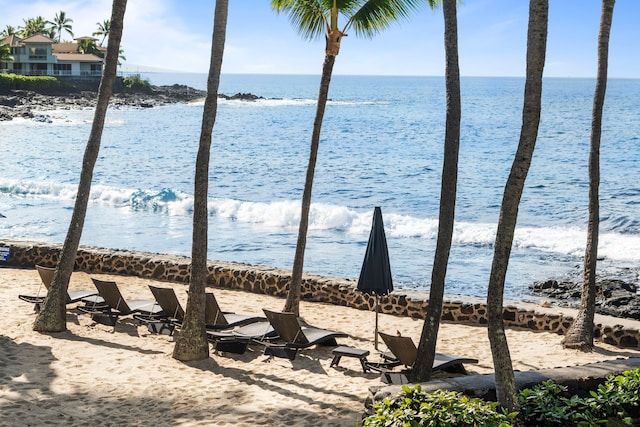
{"type": "Point", "coordinates": [26, 103]}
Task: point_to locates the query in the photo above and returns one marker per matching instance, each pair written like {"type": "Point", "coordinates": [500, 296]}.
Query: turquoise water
{"type": "Point", "coordinates": [381, 145]}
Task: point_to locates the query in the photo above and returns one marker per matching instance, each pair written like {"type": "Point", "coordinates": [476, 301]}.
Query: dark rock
{"type": "Point", "coordinates": [240, 97]}
{"type": "Point", "coordinates": [9, 101]}
{"type": "Point", "coordinates": [614, 297]}
{"type": "Point", "coordinates": [19, 103]}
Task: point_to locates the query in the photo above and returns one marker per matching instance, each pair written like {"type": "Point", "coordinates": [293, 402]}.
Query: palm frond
{"type": "Point", "coordinates": [309, 17]}
{"type": "Point", "coordinates": [377, 15]}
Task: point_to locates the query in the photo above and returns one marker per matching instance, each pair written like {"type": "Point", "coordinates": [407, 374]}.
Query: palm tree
{"type": "Point", "coordinates": [192, 343]}
{"type": "Point", "coordinates": [103, 30]}
{"type": "Point", "coordinates": [8, 31]}
{"type": "Point", "coordinates": [427, 346]}
{"type": "Point", "coordinates": [5, 53]}
{"type": "Point", "coordinates": [61, 23]}
{"type": "Point", "coordinates": [33, 26]}
{"type": "Point", "coordinates": [87, 45]}
{"type": "Point", "coordinates": [580, 335]}
{"type": "Point", "coordinates": [506, 391]}
{"type": "Point", "coordinates": [314, 19]}
{"type": "Point", "coordinates": [52, 317]}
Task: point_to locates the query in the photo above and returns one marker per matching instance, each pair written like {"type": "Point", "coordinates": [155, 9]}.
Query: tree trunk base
{"type": "Point", "coordinates": [581, 345]}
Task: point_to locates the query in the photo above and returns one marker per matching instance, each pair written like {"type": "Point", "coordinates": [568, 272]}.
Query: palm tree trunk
{"type": "Point", "coordinates": [427, 346]}
{"type": "Point", "coordinates": [192, 343]}
{"type": "Point", "coordinates": [580, 335]}
{"type": "Point", "coordinates": [506, 390]}
{"type": "Point", "coordinates": [292, 303]}
{"type": "Point", "coordinates": [52, 317]}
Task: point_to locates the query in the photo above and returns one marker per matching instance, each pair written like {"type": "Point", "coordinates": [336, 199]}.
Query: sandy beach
{"type": "Point", "coordinates": [90, 375]}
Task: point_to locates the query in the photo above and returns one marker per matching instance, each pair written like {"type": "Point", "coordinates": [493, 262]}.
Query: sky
{"type": "Point", "coordinates": [175, 35]}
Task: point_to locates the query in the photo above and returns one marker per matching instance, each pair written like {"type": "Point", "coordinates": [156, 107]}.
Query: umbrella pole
{"type": "Point", "coordinates": [375, 340]}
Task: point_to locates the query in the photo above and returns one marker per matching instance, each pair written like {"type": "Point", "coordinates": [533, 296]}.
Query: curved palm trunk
{"type": "Point", "coordinates": [192, 343]}
{"type": "Point", "coordinates": [52, 317]}
{"type": "Point", "coordinates": [580, 335]}
{"type": "Point", "coordinates": [292, 303]}
{"type": "Point", "coordinates": [427, 347]}
{"type": "Point", "coordinates": [506, 390]}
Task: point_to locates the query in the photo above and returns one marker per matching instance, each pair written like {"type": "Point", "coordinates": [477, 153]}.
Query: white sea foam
{"type": "Point", "coordinates": [285, 215]}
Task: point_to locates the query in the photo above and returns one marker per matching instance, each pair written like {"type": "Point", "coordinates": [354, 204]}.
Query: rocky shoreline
{"type": "Point", "coordinates": [31, 105]}
{"type": "Point", "coordinates": [615, 297]}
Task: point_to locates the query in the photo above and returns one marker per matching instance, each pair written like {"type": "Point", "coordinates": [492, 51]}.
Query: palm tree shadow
{"type": "Point", "coordinates": [70, 336]}
{"type": "Point", "coordinates": [25, 368]}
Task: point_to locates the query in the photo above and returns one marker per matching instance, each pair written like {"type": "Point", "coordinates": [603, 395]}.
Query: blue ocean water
{"type": "Point", "coordinates": [381, 145]}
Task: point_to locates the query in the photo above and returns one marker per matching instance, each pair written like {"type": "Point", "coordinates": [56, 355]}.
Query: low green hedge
{"type": "Point", "coordinates": [136, 84]}
{"type": "Point", "coordinates": [15, 81]}
{"type": "Point", "coordinates": [616, 402]}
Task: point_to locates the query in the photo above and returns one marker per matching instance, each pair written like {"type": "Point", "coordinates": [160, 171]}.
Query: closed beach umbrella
{"type": "Point", "coordinates": [375, 276]}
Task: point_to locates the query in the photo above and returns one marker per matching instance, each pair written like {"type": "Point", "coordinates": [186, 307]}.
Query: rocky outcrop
{"type": "Point", "coordinates": [30, 105]}
{"type": "Point", "coordinates": [240, 97]}
{"type": "Point", "coordinates": [614, 297]}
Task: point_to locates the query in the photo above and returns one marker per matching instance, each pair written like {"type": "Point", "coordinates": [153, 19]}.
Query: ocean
{"type": "Point", "coordinates": [381, 145]}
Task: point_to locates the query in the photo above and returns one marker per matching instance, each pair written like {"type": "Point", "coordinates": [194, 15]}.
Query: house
{"type": "Point", "coordinates": [39, 55]}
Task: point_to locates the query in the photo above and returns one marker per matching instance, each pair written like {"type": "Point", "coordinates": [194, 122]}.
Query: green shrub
{"type": "Point", "coordinates": [36, 83]}
{"type": "Point", "coordinates": [135, 83]}
{"type": "Point", "coordinates": [618, 396]}
{"type": "Point", "coordinates": [439, 409]}
{"type": "Point", "coordinates": [549, 404]}
{"type": "Point", "coordinates": [616, 402]}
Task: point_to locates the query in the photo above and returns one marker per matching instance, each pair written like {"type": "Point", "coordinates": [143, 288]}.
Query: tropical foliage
{"type": "Point", "coordinates": [14, 81]}
{"type": "Point", "coordinates": [37, 25]}
{"type": "Point", "coordinates": [9, 30]}
{"type": "Point", "coordinates": [61, 24]}
{"type": "Point", "coordinates": [5, 53]}
{"type": "Point", "coordinates": [135, 83]}
{"type": "Point", "coordinates": [87, 46]}
{"type": "Point", "coordinates": [614, 402]}
{"type": "Point", "coordinates": [103, 30]}
{"type": "Point", "coordinates": [413, 407]}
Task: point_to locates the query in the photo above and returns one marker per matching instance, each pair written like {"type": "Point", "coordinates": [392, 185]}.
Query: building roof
{"type": "Point", "coordinates": [65, 47]}
{"type": "Point", "coordinates": [86, 38]}
{"type": "Point", "coordinates": [38, 38]}
{"type": "Point", "coordinates": [79, 57]}
{"type": "Point", "coordinates": [12, 40]}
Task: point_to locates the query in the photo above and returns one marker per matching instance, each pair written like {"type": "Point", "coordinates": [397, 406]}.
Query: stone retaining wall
{"type": "Point", "coordinates": [273, 281]}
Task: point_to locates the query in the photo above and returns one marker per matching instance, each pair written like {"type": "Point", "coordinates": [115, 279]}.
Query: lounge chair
{"type": "Point", "coordinates": [295, 335]}
{"type": "Point", "coordinates": [237, 340]}
{"type": "Point", "coordinates": [217, 319]}
{"type": "Point", "coordinates": [46, 277]}
{"type": "Point", "coordinates": [404, 352]}
{"type": "Point", "coordinates": [172, 312]}
{"type": "Point", "coordinates": [116, 306]}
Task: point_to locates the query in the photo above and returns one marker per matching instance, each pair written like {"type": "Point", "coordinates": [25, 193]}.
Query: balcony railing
{"type": "Point", "coordinates": [53, 73]}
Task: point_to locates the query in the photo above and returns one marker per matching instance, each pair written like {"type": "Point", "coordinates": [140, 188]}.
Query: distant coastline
{"type": "Point", "coordinates": [26, 103]}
